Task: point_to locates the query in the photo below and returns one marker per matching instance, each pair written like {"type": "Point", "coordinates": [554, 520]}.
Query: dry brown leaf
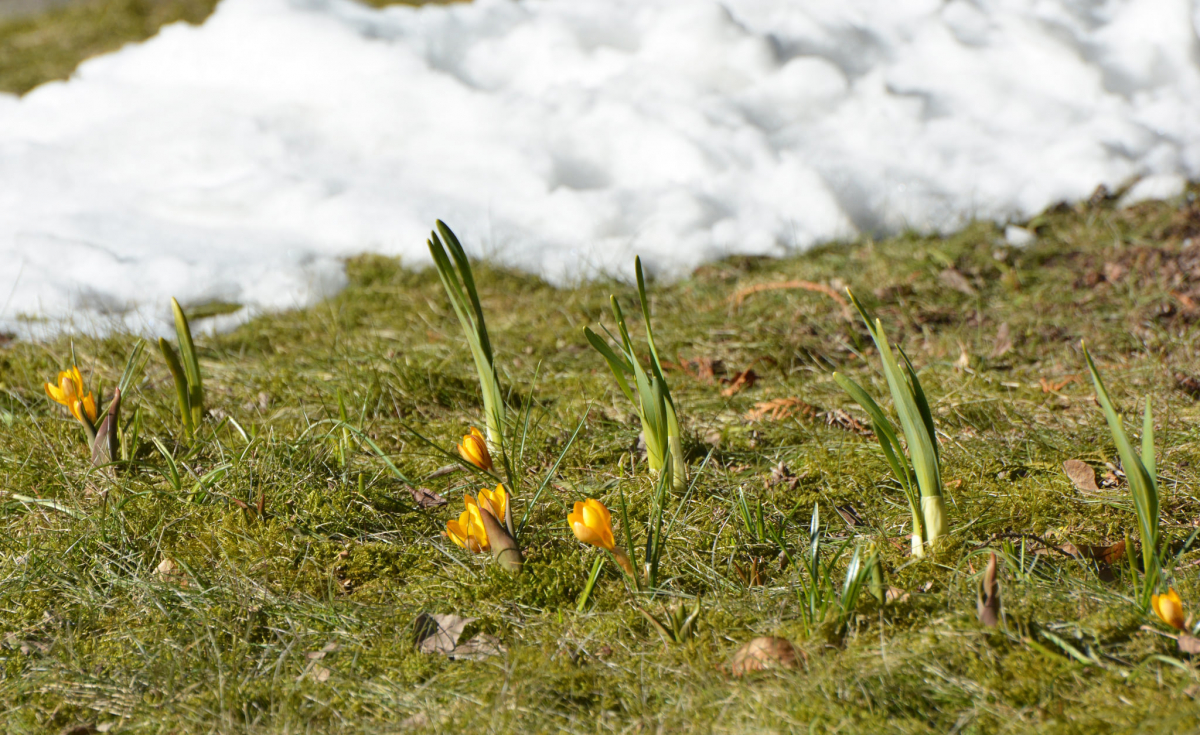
{"type": "Point", "coordinates": [1188, 643]}
{"type": "Point", "coordinates": [1082, 475]}
{"type": "Point", "coordinates": [839, 419]}
{"type": "Point", "coordinates": [479, 647]}
{"type": "Point", "coordinates": [426, 498]}
{"type": "Point", "coordinates": [766, 652]}
{"type": "Point", "coordinates": [741, 294]}
{"type": "Point", "coordinates": [1110, 554]}
{"type": "Point", "coordinates": [850, 515]}
{"type": "Point", "coordinates": [744, 379]}
{"type": "Point", "coordinates": [1049, 386]}
{"type": "Point", "coordinates": [953, 278]}
{"type": "Point", "coordinates": [320, 674]}
{"type": "Point", "coordinates": [1004, 343]}
{"type": "Point", "coordinates": [778, 409]}
{"type": "Point", "coordinates": [987, 604]}
{"type": "Point", "coordinates": [439, 633]}
{"type": "Point", "coordinates": [1187, 384]}
{"type": "Point", "coordinates": [782, 475]}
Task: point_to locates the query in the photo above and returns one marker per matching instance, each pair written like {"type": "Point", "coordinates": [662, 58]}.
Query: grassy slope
{"type": "Point", "coordinates": [338, 562]}
{"type": "Point", "coordinates": [92, 634]}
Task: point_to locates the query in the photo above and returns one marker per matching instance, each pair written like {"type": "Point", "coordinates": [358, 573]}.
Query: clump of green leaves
{"type": "Point", "coordinates": [455, 272]}
{"type": "Point", "coordinates": [823, 603]}
{"type": "Point", "coordinates": [653, 402]}
{"type": "Point", "coordinates": [185, 369]}
{"type": "Point", "coordinates": [1142, 475]}
{"type": "Point", "coordinates": [919, 471]}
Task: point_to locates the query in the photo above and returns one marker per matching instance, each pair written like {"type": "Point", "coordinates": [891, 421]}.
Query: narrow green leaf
{"type": "Point", "coordinates": [181, 386]}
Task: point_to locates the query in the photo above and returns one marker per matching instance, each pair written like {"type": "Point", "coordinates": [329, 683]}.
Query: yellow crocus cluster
{"type": "Point", "coordinates": [468, 531]}
{"type": "Point", "coordinates": [69, 392]}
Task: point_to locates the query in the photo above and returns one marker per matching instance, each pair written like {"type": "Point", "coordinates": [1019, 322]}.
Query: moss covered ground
{"type": "Point", "coordinates": [300, 618]}
{"type": "Point", "coordinates": [241, 637]}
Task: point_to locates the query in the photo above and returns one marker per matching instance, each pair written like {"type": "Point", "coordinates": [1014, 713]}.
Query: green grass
{"type": "Point", "coordinates": [91, 634]}
{"type": "Point", "coordinates": [48, 46]}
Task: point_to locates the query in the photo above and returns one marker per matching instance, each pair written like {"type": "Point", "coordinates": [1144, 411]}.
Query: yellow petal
{"type": "Point", "coordinates": [474, 450]}
{"type": "Point", "coordinates": [588, 536]}
{"type": "Point", "coordinates": [1169, 608]}
{"type": "Point", "coordinates": [89, 407]}
{"type": "Point", "coordinates": [595, 517]}
{"type": "Point", "coordinates": [496, 501]}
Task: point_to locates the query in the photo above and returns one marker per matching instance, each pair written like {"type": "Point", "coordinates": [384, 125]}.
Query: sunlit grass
{"type": "Point", "coordinates": [93, 634]}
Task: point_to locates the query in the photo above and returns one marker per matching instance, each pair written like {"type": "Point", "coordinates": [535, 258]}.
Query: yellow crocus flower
{"type": "Point", "coordinates": [468, 531]}
{"type": "Point", "coordinates": [592, 524]}
{"type": "Point", "coordinates": [1170, 608]}
{"type": "Point", "coordinates": [69, 392]}
{"type": "Point", "coordinates": [474, 450]}
{"type": "Point", "coordinates": [496, 501]}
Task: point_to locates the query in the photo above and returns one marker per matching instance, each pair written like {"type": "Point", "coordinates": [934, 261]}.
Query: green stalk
{"type": "Point", "coordinates": [920, 471]}
{"type": "Point", "coordinates": [1141, 473]}
{"type": "Point", "coordinates": [191, 365]}
{"type": "Point", "coordinates": [459, 283]}
{"type": "Point", "coordinates": [653, 403]}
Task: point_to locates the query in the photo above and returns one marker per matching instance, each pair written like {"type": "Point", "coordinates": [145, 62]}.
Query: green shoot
{"type": "Point", "coordinates": [185, 369]}
{"type": "Point", "coordinates": [918, 470]}
{"type": "Point", "coordinates": [1141, 473]}
{"type": "Point", "coordinates": [459, 283]}
{"type": "Point", "coordinates": [653, 403]}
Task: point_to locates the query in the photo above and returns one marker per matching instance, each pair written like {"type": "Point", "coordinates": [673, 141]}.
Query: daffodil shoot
{"type": "Point", "coordinates": [919, 468]}
{"type": "Point", "coordinates": [454, 269]}
{"type": "Point", "coordinates": [653, 402]}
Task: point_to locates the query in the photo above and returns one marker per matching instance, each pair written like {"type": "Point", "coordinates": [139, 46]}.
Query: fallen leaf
{"type": "Point", "coordinates": [896, 595]}
{"type": "Point", "coordinates": [479, 647]}
{"type": "Point", "coordinates": [320, 674]}
{"type": "Point", "coordinates": [987, 604]}
{"type": "Point", "coordinates": [741, 294]}
{"type": "Point", "coordinates": [850, 515]}
{"type": "Point", "coordinates": [1082, 476]}
{"type": "Point", "coordinates": [1113, 272]}
{"type": "Point", "coordinates": [439, 633]}
{"type": "Point", "coordinates": [1004, 343]}
{"type": "Point", "coordinates": [778, 409]}
{"type": "Point", "coordinates": [426, 498]}
{"type": "Point", "coordinates": [1187, 384]}
{"type": "Point", "coordinates": [1057, 385]}
{"type": "Point", "coordinates": [964, 359]}
{"type": "Point", "coordinates": [781, 475]}
{"type": "Point", "coordinates": [839, 419]}
{"type": "Point", "coordinates": [1110, 554]}
{"type": "Point", "coordinates": [1188, 644]}
{"type": "Point", "coordinates": [744, 379]}
{"type": "Point", "coordinates": [766, 652]}
{"type": "Point", "coordinates": [953, 278]}
{"type": "Point", "coordinates": [420, 719]}
{"type": "Point", "coordinates": [165, 568]}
